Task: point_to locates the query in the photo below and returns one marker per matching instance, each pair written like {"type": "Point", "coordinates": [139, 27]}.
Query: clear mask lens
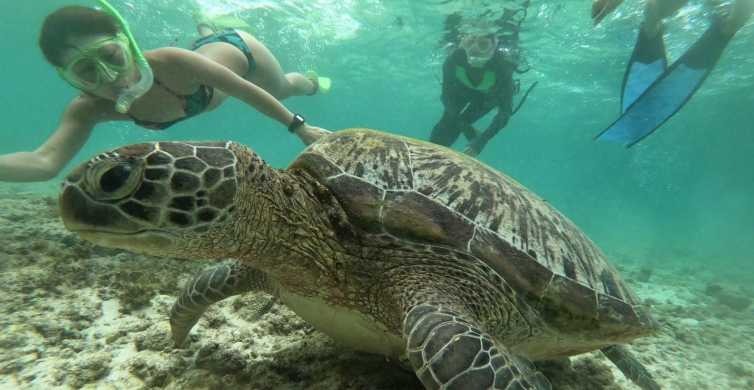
{"type": "Point", "coordinates": [114, 54]}
{"type": "Point", "coordinates": [479, 50]}
{"type": "Point", "coordinates": [101, 62]}
{"type": "Point", "coordinates": [85, 70]}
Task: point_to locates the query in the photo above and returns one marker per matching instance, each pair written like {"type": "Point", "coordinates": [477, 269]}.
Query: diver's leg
{"type": "Point", "coordinates": [738, 16]}
{"type": "Point", "coordinates": [470, 132]}
{"type": "Point", "coordinates": [664, 97]}
{"type": "Point", "coordinates": [648, 60]}
{"type": "Point", "coordinates": [479, 106]}
{"type": "Point", "coordinates": [657, 10]}
{"type": "Point", "coordinates": [209, 286]}
{"type": "Point", "coordinates": [447, 130]}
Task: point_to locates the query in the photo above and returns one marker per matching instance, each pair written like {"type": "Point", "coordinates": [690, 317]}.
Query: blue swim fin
{"type": "Point", "coordinates": [670, 91]}
{"type": "Point", "coordinates": [648, 62]}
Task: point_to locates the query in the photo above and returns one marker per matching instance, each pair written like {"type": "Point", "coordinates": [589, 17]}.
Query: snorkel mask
{"type": "Point", "coordinates": [107, 60]}
{"type": "Point", "coordinates": [479, 49]}
{"type": "Point", "coordinates": [99, 63]}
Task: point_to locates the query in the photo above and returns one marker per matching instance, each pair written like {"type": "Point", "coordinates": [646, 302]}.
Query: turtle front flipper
{"type": "Point", "coordinates": [209, 286]}
{"type": "Point", "coordinates": [630, 367]}
{"type": "Point", "coordinates": [449, 352]}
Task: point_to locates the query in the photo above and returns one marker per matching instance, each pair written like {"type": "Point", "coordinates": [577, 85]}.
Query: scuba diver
{"type": "Point", "coordinates": [94, 51]}
{"type": "Point", "coordinates": [652, 92]}
{"type": "Point", "coordinates": [477, 78]}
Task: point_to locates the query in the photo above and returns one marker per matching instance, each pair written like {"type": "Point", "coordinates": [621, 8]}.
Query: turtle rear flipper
{"type": "Point", "coordinates": [630, 367]}
{"type": "Point", "coordinates": [449, 352]}
{"type": "Point", "coordinates": [213, 285]}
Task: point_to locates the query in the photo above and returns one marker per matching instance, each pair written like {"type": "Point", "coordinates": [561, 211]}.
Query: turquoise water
{"type": "Point", "coordinates": [682, 195]}
{"type": "Point", "coordinates": [677, 206]}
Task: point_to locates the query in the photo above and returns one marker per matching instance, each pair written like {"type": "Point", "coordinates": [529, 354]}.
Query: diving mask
{"type": "Point", "coordinates": [479, 49]}
{"type": "Point", "coordinates": [100, 62]}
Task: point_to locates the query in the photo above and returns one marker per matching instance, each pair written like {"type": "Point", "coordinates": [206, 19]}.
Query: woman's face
{"type": "Point", "coordinates": [479, 49]}
{"type": "Point", "coordinates": [101, 65]}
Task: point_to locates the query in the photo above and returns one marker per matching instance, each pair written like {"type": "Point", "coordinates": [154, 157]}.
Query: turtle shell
{"type": "Point", "coordinates": [423, 192]}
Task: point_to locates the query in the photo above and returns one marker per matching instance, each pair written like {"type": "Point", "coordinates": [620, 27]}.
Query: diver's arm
{"type": "Point", "coordinates": [504, 96]}
{"type": "Point", "coordinates": [45, 162]}
{"type": "Point", "coordinates": [498, 123]}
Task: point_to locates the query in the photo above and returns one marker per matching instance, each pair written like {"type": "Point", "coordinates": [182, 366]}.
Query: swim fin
{"type": "Point", "coordinates": [670, 91]}
{"type": "Point", "coordinates": [323, 84]}
{"type": "Point", "coordinates": [648, 62]}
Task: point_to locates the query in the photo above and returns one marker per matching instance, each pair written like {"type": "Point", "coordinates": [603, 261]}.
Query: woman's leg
{"type": "Point", "coordinates": [738, 16]}
{"type": "Point", "coordinates": [269, 74]}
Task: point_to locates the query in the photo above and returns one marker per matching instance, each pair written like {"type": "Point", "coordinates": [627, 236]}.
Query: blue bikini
{"type": "Point", "coordinates": [195, 103]}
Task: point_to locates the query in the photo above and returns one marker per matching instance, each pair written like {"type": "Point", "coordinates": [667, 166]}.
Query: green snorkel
{"type": "Point", "coordinates": [127, 97]}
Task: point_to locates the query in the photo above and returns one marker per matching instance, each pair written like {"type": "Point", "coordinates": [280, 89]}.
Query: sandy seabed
{"type": "Point", "coordinates": [79, 316]}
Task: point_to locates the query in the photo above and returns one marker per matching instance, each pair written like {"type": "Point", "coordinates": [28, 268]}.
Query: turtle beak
{"type": "Point", "coordinates": [81, 213]}
{"type": "Point", "coordinates": [104, 225]}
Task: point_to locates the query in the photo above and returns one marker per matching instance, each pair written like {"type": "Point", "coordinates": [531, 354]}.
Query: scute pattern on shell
{"type": "Point", "coordinates": [417, 190]}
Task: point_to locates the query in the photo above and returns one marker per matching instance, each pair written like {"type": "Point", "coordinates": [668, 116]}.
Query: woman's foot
{"type": "Point", "coordinates": [208, 25]}
{"type": "Point", "coordinates": [204, 30]}
{"type": "Point", "coordinates": [321, 84]}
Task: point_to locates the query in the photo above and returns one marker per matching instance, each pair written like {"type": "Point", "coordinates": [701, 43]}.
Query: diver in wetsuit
{"type": "Point", "coordinates": [477, 77]}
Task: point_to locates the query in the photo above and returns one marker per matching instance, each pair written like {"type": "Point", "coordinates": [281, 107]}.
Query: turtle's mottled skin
{"type": "Point", "coordinates": [388, 244]}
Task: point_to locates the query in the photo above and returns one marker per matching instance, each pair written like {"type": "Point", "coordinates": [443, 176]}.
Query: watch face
{"type": "Point", "coordinates": [297, 121]}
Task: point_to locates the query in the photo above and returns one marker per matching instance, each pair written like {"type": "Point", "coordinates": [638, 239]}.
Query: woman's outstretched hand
{"type": "Point", "coordinates": [309, 134]}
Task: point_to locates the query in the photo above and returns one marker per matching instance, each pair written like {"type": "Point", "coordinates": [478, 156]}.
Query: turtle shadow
{"type": "Point", "coordinates": [318, 363]}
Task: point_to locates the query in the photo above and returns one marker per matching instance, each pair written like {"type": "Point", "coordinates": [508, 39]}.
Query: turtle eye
{"type": "Point", "coordinates": [115, 178]}
{"type": "Point", "coordinates": [111, 180]}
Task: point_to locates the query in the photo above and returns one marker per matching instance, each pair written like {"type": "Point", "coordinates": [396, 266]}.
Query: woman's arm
{"type": "Point", "coordinates": [45, 162]}
{"type": "Point", "coordinates": [211, 73]}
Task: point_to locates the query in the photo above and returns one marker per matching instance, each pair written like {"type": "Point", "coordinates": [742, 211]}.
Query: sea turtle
{"type": "Point", "coordinates": [388, 244]}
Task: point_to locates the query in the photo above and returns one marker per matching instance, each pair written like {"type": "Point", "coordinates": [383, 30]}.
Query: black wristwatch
{"type": "Point", "coordinates": [297, 121]}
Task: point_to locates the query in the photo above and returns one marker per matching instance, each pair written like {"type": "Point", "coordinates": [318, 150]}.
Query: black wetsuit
{"type": "Point", "coordinates": [464, 104]}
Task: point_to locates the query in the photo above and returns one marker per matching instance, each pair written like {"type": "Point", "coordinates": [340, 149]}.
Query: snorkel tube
{"type": "Point", "coordinates": [127, 97]}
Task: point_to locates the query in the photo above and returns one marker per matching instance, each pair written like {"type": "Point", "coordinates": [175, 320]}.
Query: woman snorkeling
{"type": "Point", "coordinates": [92, 50]}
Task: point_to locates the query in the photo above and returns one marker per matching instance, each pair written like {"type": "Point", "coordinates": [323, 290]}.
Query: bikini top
{"type": "Point", "coordinates": [193, 104]}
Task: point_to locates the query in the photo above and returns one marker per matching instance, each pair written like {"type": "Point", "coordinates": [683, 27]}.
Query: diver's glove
{"type": "Point", "coordinates": [475, 146]}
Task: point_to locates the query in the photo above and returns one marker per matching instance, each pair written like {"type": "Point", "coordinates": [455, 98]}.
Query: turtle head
{"type": "Point", "coordinates": [161, 198]}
